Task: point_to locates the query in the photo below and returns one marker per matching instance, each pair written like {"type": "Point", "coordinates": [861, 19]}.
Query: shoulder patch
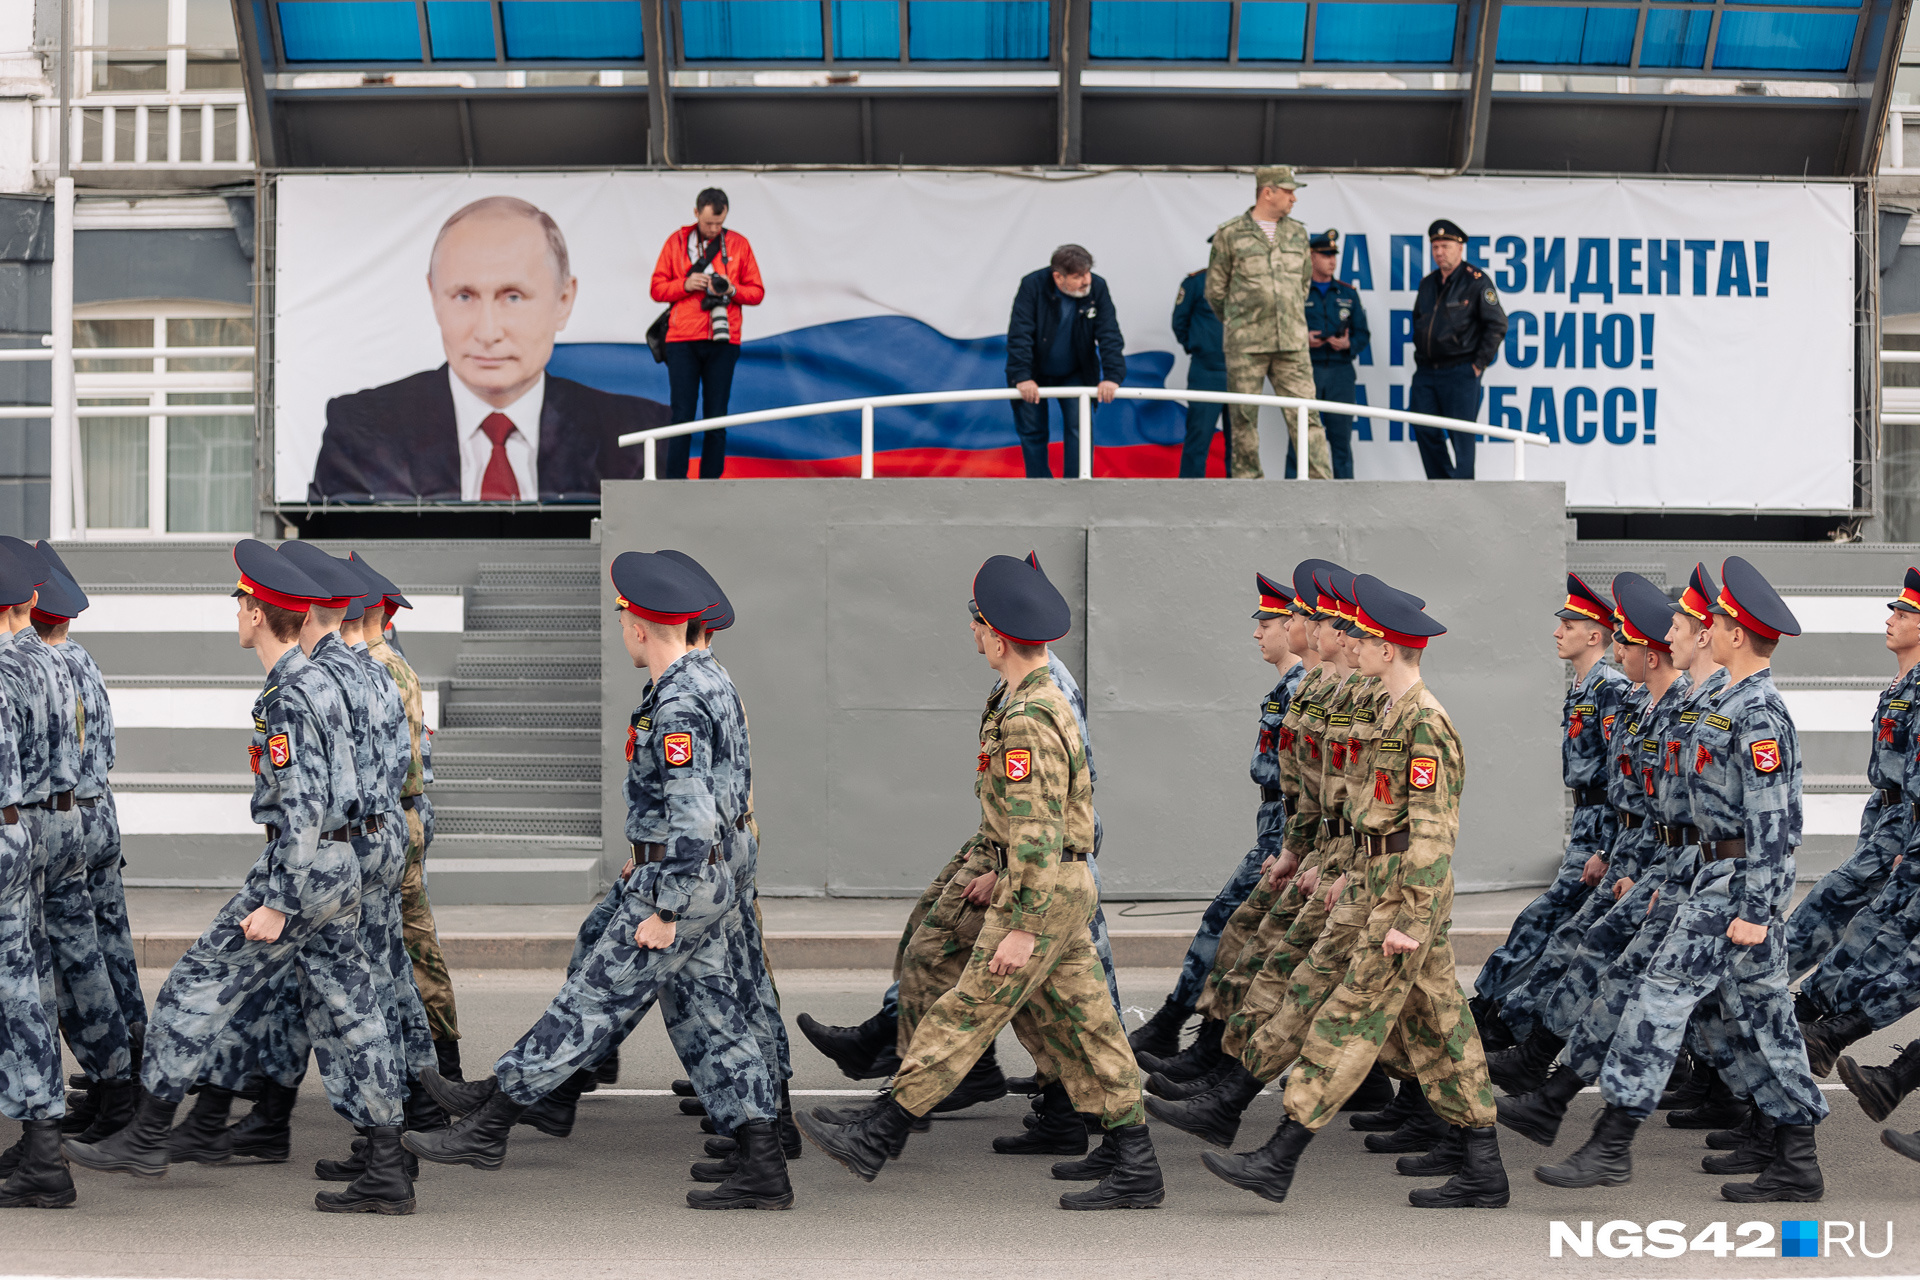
{"type": "Point", "coordinates": [1421, 772]}
{"type": "Point", "coordinates": [1719, 722]}
{"type": "Point", "coordinates": [1019, 764]}
{"type": "Point", "coordinates": [1491, 297]}
{"type": "Point", "coordinates": [280, 750]}
{"type": "Point", "coordinates": [678, 747]}
{"type": "Point", "coordinates": [1766, 755]}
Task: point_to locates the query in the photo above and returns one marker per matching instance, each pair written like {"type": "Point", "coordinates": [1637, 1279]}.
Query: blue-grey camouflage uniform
{"type": "Point", "coordinates": [687, 783]}
{"type": "Point", "coordinates": [100, 835]}
{"type": "Point", "coordinates": [1270, 830]}
{"type": "Point", "coordinates": [1822, 918]}
{"type": "Point", "coordinates": [1592, 708]}
{"type": "Point", "coordinates": [1745, 785]}
{"type": "Point", "coordinates": [30, 1085]}
{"type": "Point", "coordinates": [304, 787]}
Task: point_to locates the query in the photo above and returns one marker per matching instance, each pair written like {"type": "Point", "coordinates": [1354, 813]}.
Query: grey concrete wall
{"type": "Point", "coordinates": [864, 691]}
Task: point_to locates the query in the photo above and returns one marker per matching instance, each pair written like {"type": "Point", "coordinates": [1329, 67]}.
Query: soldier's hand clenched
{"type": "Point", "coordinates": [1398, 944]}
{"type": "Point", "coordinates": [1012, 954]}
{"type": "Point", "coordinates": [263, 924]}
{"type": "Point", "coordinates": [1742, 934]}
{"type": "Point", "coordinates": [980, 891]}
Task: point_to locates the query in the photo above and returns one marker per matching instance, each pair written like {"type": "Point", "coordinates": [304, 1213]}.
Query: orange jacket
{"type": "Point", "coordinates": [689, 323]}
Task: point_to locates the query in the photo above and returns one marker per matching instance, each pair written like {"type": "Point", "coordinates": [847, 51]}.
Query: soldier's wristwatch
{"type": "Point", "coordinates": [669, 917]}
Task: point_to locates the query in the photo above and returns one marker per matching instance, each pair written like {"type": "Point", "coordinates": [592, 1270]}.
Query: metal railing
{"type": "Point", "coordinates": [1085, 395]}
{"type": "Point", "coordinates": [1900, 397]}
{"type": "Point", "coordinates": [197, 129]}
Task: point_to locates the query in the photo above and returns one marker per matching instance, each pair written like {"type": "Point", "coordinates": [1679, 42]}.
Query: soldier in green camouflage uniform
{"type": "Point", "coordinates": [1033, 963]}
{"type": "Point", "coordinates": [1257, 285]}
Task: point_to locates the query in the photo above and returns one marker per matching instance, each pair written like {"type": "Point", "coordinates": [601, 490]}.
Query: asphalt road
{"type": "Point", "coordinates": [609, 1200]}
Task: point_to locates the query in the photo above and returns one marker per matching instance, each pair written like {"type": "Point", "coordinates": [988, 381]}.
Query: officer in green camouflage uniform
{"type": "Point", "coordinates": [1034, 956]}
{"type": "Point", "coordinates": [1257, 284]}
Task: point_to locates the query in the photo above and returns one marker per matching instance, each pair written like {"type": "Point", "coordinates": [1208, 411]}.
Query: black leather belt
{"type": "Point", "coordinates": [1333, 827]}
{"type": "Point", "coordinates": [1890, 795]}
{"type": "Point", "coordinates": [59, 801]}
{"type": "Point", "coordinates": [369, 826]}
{"type": "Point", "coordinates": [10, 816]}
{"type": "Point", "coordinates": [1718, 849]}
{"type": "Point", "coordinates": [1676, 836]}
{"type": "Point", "coordinates": [1068, 855]}
{"type": "Point", "coordinates": [1584, 796]}
{"type": "Point", "coordinates": [1394, 842]}
{"type": "Point", "coordinates": [650, 852]}
{"type": "Point", "coordinates": [1269, 794]}
{"type": "Point", "coordinates": [343, 834]}
{"type": "Point", "coordinates": [1631, 821]}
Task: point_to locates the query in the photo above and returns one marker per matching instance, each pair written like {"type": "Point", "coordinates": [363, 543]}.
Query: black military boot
{"type": "Point", "coordinates": [1268, 1172]}
{"type": "Point", "coordinates": [1420, 1131]}
{"type": "Point", "coordinates": [1879, 1090]}
{"type": "Point", "coordinates": [1059, 1133]}
{"type": "Point", "coordinates": [683, 1089]}
{"type": "Point", "coordinates": [1605, 1161]}
{"type": "Point", "coordinates": [1907, 1144]}
{"type": "Point", "coordinates": [1827, 1038]}
{"type": "Point", "coordinates": [864, 1146]}
{"type": "Point", "coordinates": [1097, 1165]}
{"type": "Point", "coordinates": [82, 1107]}
{"type": "Point", "coordinates": [140, 1148]}
{"type": "Point", "coordinates": [790, 1144]}
{"type": "Point", "coordinates": [446, 1054]}
{"type": "Point", "coordinates": [1215, 1114]}
{"type": "Point", "coordinates": [1687, 1084]}
{"type": "Point", "coordinates": [1192, 1062]}
{"type": "Point", "coordinates": [855, 1050]}
{"type": "Point", "coordinates": [1394, 1114]}
{"type": "Point", "coordinates": [117, 1100]}
{"type": "Point", "coordinates": [42, 1180]}
{"type": "Point", "coordinates": [457, 1097]}
{"type": "Point", "coordinates": [1132, 1179]}
{"type": "Point", "coordinates": [1524, 1068]}
{"type": "Point", "coordinates": [758, 1179]}
{"type": "Point", "coordinates": [356, 1163]}
{"type": "Point", "coordinates": [692, 1107]}
{"type": "Point", "coordinates": [1375, 1092]}
{"type": "Point", "coordinates": [203, 1137]}
{"type": "Point", "coordinates": [553, 1114]}
{"type": "Point", "coordinates": [1160, 1036]}
{"type": "Point", "coordinates": [1180, 1090]}
{"type": "Point", "coordinates": [420, 1112]}
{"type": "Point", "coordinates": [1536, 1116]}
{"type": "Point", "coordinates": [266, 1132]}
{"type": "Point", "coordinates": [861, 1110]}
{"type": "Point", "coordinates": [1753, 1155]}
{"type": "Point", "coordinates": [1794, 1174]}
{"type": "Point", "coordinates": [478, 1138]}
{"type": "Point", "coordinates": [1448, 1156]}
{"type": "Point", "coordinates": [1721, 1110]}
{"type": "Point", "coordinates": [982, 1084]}
{"type": "Point", "coordinates": [1737, 1137]}
{"type": "Point", "coordinates": [1807, 1009]}
{"type": "Point", "coordinates": [1495, 1035]}
{"type": "Point", "coordinates": [1481, 1182]}
{"type": "Point", "coordinates": [383, 1186]}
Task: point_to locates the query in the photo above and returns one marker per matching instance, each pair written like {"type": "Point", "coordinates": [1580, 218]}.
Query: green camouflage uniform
{"type": "Point", "coordinates": [1258, 288]}
{"type": "Point", "coordinates": [1406, 1011]}
{"type": "Point", "coordinates": [422, 937]}
{"type": "Point", "coordinates": [1036, 802]}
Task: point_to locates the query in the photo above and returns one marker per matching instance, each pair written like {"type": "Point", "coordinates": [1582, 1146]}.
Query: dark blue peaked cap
{"type": "Point", "coordinates": [1303, 583]}
{"type": "Point", "coordinates": [1909, 601]}
{"type": "Point", "coordinates": [1750, 600]}
{"type": "Point", "coordinates": [16, 579]}
{"type": "Point", "coordinates": [1393, 615]}
{"type": "Point", "coordinates": [658, 588]}
{"type": "Point", "coordinates": [1015, 599]}
{"type": "Point", "coordinates": [270, 577]}
{"type": "Point", "coordinates": [1646, 609]}
{"type": "Point", "coordinates": [717, 616]}
{"type": "Point", "coordinates": [60, 570]}
{"type": "Point", "coordinates": [340, 583]}
{"type": "Point", "coordinates": [60, 599]}
{"type": "Point", "coordinates": [369, 597]}
{"type": "Point", "coordinates": [35, 564]}
{"type": "Point", "coordinates": [387, 590]}
{"type": "Point", "coordinates": [1275, 600]}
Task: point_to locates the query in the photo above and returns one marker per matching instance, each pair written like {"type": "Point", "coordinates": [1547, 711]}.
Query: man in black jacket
{"type": "Point", "coordinates": [1063, 332]}
{"type": "Point", "coordinates": [1457, 326]}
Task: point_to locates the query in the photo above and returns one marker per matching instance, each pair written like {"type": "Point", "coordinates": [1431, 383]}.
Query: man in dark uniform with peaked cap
{"type": "Point", "coordinates": [1457, 326]}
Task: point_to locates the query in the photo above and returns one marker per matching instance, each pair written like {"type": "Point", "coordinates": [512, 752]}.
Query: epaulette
{"type": "Point", "coordinates": [1191, 274]}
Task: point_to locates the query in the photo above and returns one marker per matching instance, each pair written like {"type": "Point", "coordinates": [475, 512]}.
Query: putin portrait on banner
{"type": "Point", "coordinates": [491, 424]}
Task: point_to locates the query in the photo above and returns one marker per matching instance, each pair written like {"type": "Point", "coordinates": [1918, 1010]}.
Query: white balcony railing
{"type": "Point", "coordinates": [1897, 157]}
{"type": "Point", "coordinates": [206, 130]}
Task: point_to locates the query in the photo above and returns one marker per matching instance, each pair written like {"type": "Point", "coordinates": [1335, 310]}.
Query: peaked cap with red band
{"type": "Point", "coordinates": [1750, 600]}
{"type": "Point", "coordinates": [61, 600]}
{"type": "Point", "coordinates": [390, 598]}
{"type": "Point", "coordinates": [1015, 598]}
{"type": "Point", "coordinates": [1308, 589]}
{"type": "Point", "coordinates": [717, 616]}
{"type": "Point", "coordinates": [1909, 601]}
{"type": "Point", "coordinates": [1645, 612]}
{"type": "Point", "coordinates": [1392, 615]}
{"type": "Point", "coordinates": [658, 588]}
{"type": "Point", "coordinates": [1584, 604]}
{"type": "Point", "coordinates": [17, 575]}
{"type": "Point", "coordinates": [272, 578]}
{"type": "Point", "coordinates": [1275, 600]}
{"type": "Point", "coordinates": [338, 584]}
{"type": "Point", "coordinates": [1697, 600]}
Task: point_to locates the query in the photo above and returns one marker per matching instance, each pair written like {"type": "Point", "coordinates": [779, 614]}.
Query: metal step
{"type": "Point", "coordinates": [528, 666]}
{"type": "Point", "coordinates": [1599, 574]}
{"type": "Point", "coordinates": [521, 794]}
{"type": "Point", "coordinates": [534, 620]}
{"type": "Point", "coordinates": [469, 692]}
{"type": "Point", "coordinates": [526, 579]}
{"type": "Point", "coordinates": [524, 715]}
{"type": "Point", "coordinates": [461, 820]}
{"type": "Point", "coordinates": [474, 766]}
{"type": "Point", "coordinates": [1831, 784]}
{"type": "Point", "coordinates": [508, 739]}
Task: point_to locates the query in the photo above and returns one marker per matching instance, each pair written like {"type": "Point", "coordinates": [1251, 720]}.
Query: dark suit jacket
{"type": "Point", "coordinates": [399, 442]}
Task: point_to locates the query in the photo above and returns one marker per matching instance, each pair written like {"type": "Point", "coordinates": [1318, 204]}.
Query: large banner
{"type": "Point", "coordinates": [1683, 344]}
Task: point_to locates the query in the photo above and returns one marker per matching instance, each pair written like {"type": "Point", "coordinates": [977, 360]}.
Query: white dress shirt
{"type": "Point", "coordinates": [523, 446]}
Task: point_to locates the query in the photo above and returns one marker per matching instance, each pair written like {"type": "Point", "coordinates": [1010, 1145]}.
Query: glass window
{"type": "Point", "coordinates": [1590, 37]}
{"type": "Point", "coordinates": [866, 29]}
{"type": "Point", "coordinates": [213, 51]}
{"type": "Point", "coordinates": [461, 30]}
{"type": "Point", "coordinates": [566, 29]}
{"type": "Point", "coordinates": [1191, 30]}
{"type": "Point", "coordinates": [130, 38]}
{"type": "Point", "coordinates": [209, 467]}
{"type": "Point", "coordinates": [1272, 32]}
{"type": "Point", "coordinates": [1675, 38]}
{"type": "Point", "coordinates": [1784, 41]}
{"type": "Point", "coordinates": [111, 333]}
{"type": "Point", "coordinates": [214, 331]}
{"type": "Point", "coordinates": [113, 452]}
{"type": "Point", "coordinates": [727, 30]}
{"type": "Point", "coordinates": [351, 31]}
{"type": "Point", "coordinates": [1383, 32]}
{"type": "Point", "coordinates": [977, 30]}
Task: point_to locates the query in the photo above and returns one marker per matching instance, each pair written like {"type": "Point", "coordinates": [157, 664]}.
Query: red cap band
{"type": "Point", "coordinates": [1373, 628]}
{"type": "Point", "coordinates": [1745, 619]}
{"type": "Point", "coordinates": [664, 619]}
{"type": "Point", "coordinates": [1696, 605]}
{"type": "Point", "coordinates": [1588, 609]}
{"type": "Point", "coordinates": [267, 595]}
{"type": "Point", "coordinates": [46, 619]}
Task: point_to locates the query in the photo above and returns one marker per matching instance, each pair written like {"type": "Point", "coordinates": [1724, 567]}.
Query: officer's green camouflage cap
{"type": "Point", "coordinates": [1276, 175]}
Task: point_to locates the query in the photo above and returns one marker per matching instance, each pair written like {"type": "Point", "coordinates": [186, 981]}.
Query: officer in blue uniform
{"type": "Point", "coordinates": [298, 911]}
{"type": "Point", "coordinates": [1728, 938]}
{"type": "Point", "coordinates": [1336, 334]}
{"type": "Point", "coordinates": [687, 786]}
{"type": "Point", "coordinates": [1198, 332]}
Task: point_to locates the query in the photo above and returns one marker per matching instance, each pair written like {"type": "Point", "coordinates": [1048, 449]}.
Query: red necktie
{"type": "Point", "coordinates": [498, 483]}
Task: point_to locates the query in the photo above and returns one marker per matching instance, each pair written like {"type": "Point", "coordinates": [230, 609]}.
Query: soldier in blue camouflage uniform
{"type": "Point", "coordinates": [1588, 716]}
{"type": "Point", "coordinates": [30, 1089]}
{"type": "Point", "coordinates": [298, 911]}
{"type": "Point", "coordinates": [1279, 627]}
{"type": "Point", "coordinates": [1745, 797]}
{"type": "Point", "coordinates": [687, 784]}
